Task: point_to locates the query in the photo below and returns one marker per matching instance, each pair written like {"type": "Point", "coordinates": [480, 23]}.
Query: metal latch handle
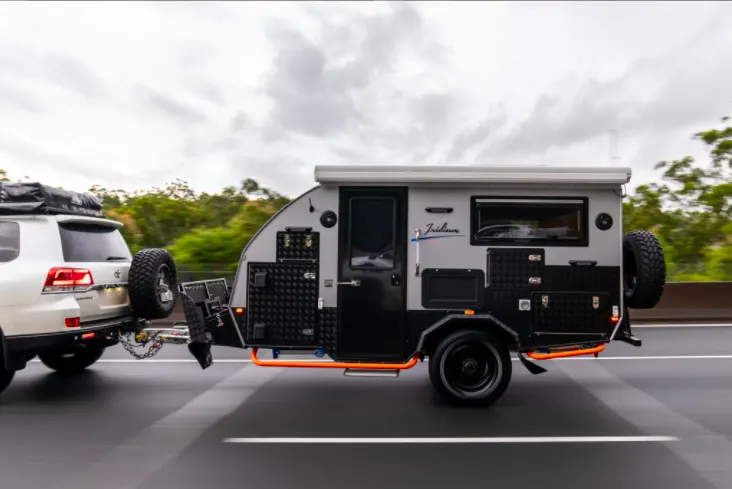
{"type": "Point", "coordinates": [352, 283]}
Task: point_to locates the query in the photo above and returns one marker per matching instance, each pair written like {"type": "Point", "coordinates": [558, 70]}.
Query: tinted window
{"type": "Point", "coordinates": [551, 222]}
{"type": "Point", "coordinates": [372, 232]}
{"type": "Point", "coordinates": [92, 243]}
{"type": "Point", "coordinates": [9, 241]}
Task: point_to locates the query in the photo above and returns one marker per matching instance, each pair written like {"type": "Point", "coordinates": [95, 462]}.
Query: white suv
{"type": "Point", "coordinates": [68, 282]}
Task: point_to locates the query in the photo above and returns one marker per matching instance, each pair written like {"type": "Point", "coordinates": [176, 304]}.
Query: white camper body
{"type": "Point", "coordinates": [385, 264]}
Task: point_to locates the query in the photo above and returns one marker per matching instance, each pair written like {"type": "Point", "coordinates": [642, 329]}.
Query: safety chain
{"type": "Point", "coordinates": [128, 345]}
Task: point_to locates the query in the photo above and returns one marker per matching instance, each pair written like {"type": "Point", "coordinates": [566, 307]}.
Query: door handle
{"type": "Point", "coordinates": [352, 283]}
{"type": "Point", "coordinates": [582, 263]}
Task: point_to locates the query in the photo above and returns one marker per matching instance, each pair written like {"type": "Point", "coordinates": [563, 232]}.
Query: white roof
{"type": "Point", "coordinates": [376, 174]}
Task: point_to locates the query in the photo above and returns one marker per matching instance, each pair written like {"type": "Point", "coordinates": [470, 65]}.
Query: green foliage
{"type": "Point", "coordinates": [220, 247]}
{"type": "Point", "coordinates": [689, 208]}
{"type": "Point", "coordinates": [203, 231]}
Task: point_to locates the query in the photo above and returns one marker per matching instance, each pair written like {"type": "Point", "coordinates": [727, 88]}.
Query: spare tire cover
{"type": "Point", "coordinates": [644, 270]}
{"type": "Point", "coordinates": [153, 284]}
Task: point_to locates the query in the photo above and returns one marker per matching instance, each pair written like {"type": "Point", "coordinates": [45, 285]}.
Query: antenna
{"type": "Point", "coordinates": [614, 139]}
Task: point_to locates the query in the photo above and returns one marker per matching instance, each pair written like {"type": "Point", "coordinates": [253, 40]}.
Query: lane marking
{"type": "Point", "coordinates": [135, 460]}
{"type": "Point", "coordinates": [485, 440]}
{"type": "Point", "coordinates": [246, 360]}
{"type": "Point", "coordinates": [706, 451]}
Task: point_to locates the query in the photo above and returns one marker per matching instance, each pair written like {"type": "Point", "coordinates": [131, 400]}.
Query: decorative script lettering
{"type": "Point", "coordinates": [433, 228]}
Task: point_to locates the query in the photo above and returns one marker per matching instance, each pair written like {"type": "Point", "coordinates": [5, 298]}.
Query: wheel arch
{"type": "Point", "coordinates": [430, 337]}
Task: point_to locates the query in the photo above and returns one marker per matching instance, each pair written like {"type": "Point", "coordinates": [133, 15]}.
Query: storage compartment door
{"type": "Point", "coordinates": [282, 305]}
{"type": "Point", "coordinates": [571, 316]}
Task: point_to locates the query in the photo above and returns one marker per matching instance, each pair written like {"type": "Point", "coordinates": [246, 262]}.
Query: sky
{"type": "Point", "coordinates": [132, 95]}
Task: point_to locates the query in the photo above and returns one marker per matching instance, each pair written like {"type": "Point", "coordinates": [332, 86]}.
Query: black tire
{"type": "Point", "coordinates": [73, 362]}
{"type": "Point", "coordinates": [644, 270]}
{"type": "Point", "coordinates": [481, 357]}
{"type": "Point", "coordinates": [6, 376]}
{"type": "Point", "coordinates": [152, 275]}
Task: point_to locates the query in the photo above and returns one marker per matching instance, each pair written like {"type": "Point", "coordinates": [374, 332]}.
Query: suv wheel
{"type": "Point", "coordinates": [72, 362]}
{"type": "Point", "coordinates": [471, 367]}
{"type": "Point", "coordinates": [6, 377]}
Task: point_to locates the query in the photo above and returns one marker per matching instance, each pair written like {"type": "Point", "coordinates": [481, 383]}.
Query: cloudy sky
{"type": "Point", "coordinates": [131, 95]}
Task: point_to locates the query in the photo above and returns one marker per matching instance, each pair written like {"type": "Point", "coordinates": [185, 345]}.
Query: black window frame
{"type": "Point", "coordinates": [16, 226]}
{"type": "Point", "coordinates": [584, 208]}
{"type": "Point", "coordinates": [393, 231]}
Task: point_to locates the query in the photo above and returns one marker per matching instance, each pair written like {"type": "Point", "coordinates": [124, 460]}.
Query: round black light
{"type": "Point", "coordinates": [328, 219]}
{"type": "Point", "coordinates": [603, 221]}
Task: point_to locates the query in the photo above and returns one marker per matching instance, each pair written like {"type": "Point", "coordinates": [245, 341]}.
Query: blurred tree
{"type": "Point", "coordinates": [690, 210]}
{"type": "Point", "coordinates": [4, 176]}
{"type": "Point", "coordinates": [220, 247]}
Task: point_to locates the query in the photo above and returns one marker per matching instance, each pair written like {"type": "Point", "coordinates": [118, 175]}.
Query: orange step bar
{"type": "Point", "coordinates": [352, 365]}
{"type": "Point", "coordinates": [564, 354]}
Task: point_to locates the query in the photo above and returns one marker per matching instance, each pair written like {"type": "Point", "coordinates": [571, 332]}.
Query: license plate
{"type": "Point", "coordinates": [113, 297]}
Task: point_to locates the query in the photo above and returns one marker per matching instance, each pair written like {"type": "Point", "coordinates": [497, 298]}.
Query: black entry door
{"type": "Point", "coordinates": [371, 277]}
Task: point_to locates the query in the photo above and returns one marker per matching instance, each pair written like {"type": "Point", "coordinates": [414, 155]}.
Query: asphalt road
{"type": "Point", "coordinates": [165, 424]}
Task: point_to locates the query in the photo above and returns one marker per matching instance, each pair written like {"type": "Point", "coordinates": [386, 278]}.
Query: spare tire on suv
{"type": "Point", "coordinates": [153, 284]}
{"type": "Point", "coordinates": [644, 270]}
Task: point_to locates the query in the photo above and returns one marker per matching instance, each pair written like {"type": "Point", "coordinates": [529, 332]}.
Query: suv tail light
{"type": "Point", "coordinates": [67, 279]}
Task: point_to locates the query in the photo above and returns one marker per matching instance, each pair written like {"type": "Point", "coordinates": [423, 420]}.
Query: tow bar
{"type": "Point", "coordinates": [151, 339]}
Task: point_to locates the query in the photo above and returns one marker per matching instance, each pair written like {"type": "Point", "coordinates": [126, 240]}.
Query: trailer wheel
{"type": "Point", "coordinates": [153, 284]}
{"type": "Point", "coordinates": [644, 270]}
{"type": "Point", "coordinates": [471, 367]}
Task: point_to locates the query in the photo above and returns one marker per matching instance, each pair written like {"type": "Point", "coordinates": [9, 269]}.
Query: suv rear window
{"type": "Point", "coordinates": [92, 243]}
{"type": "Point", "coordinates": [9, 241]}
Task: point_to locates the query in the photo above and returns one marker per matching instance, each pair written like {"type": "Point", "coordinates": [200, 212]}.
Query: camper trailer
{"type": "Point", "coordinates": [381, 267]}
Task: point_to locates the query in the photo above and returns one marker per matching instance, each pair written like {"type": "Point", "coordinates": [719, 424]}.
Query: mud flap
{"type": "Point", "coordinates": [530, 366]}
{"type": "Point", "coordinates": [202, 353]}
{"type": "Point", "coordinates": [200, 345]}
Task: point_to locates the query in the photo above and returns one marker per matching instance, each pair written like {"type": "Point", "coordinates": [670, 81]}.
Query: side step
{"type": "Point", "coordinates": [359, 372]}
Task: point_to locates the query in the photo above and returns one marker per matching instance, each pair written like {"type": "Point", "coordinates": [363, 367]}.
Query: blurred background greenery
{"type": "Point", "coordinates": [689, 208]}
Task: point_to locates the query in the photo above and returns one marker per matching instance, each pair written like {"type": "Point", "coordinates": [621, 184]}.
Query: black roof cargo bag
{"type": "Point", "coordinates": [35, 198]}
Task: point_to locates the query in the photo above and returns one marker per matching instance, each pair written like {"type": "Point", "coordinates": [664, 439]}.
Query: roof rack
{"type": "Point", "coordinates": [36, 199]}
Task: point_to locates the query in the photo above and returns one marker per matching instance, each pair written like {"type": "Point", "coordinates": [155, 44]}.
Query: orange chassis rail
{"type": "Point", "coordinates": [406, 366]}
{"type": "Point", "coordinates": [352, 365]}
{"type": "Point", "coordinates": [567, 353]}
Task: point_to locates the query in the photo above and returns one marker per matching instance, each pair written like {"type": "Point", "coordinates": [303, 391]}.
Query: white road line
{"type": "Point", "coordinates": [136, 459]}
{"type": "Point", "coordinates": [590, 358]}
{"type": "Point", "coordinates": [485, 440]}
{"type": "Point", "coordinates": [706, 451]}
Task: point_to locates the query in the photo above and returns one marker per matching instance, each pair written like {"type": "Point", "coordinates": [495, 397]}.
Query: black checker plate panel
{"type": "Point", "coordinates": [511, 268]}
{"type": "Point", "coordinates": [287, 306]}
{"type": "Point", "coordinates": [571, 313]}
{"type": "Point", "coordinates": [298, 249]}
{"type": "Point", "coordinates": [504, 306]}
{"type": "Point", "coordinates": [328, 330]}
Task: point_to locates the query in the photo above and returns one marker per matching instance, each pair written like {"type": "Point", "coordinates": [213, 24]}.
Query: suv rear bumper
{"type": "Point", "coordinates": [17, 349]}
